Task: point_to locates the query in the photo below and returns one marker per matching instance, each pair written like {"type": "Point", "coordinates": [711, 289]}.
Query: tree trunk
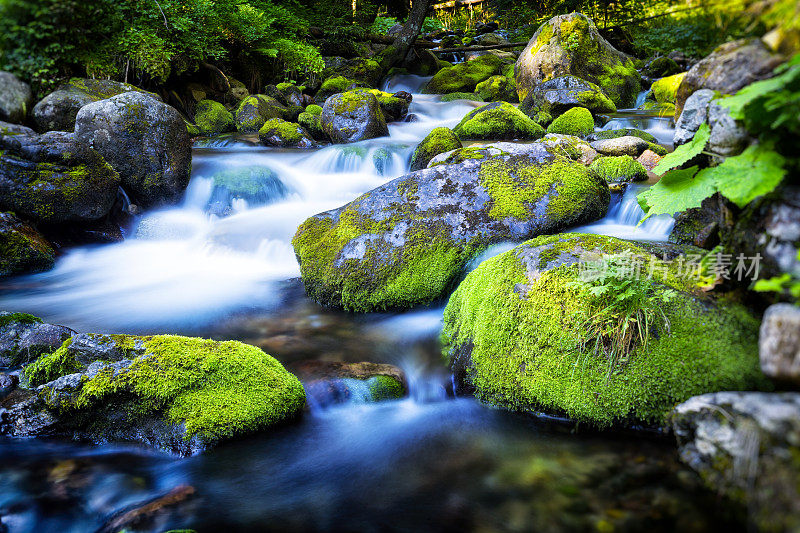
{"type": "Point", "coordinates": [397, 51]}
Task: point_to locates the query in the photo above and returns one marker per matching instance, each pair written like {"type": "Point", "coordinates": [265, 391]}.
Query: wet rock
{"type": "Point", "coordinates": [464, 77]}
{"type": "Point", "coordinates": [649, 159]}
{"type": "Point", "coordinates": [311, 120]}
{"type": "Point", "coordinates": [497, 121]}
{"type": "Point", "coordinates": [421, 62]}
{"type": "Point", "coordinates": [438, 141]}
{"type": "Point", "coordinates": [695, 113]}
{"type": "Point", "coordinates": [292, 95]}
{"type": "Point", "coordinates": [353, 116]}
{"type": "Point", "coordinates": [661, 67]}
{"type": "Point", "coordinates": [627, 145]}
{"type": "Point", "coordinates": [277, 132]}
{"type": "Point", "coordinates": [497, 88]}
{"type": "Point", "coordinates": [23, 338]}
{"type": "Point", "coordinates": [621, 132]}
{"type": "Point", "coordinates": [745, 445]}
{"type": "Point", "coordinates": [58, 110]}
{"type": "Point", "coordinates": [394, 108]}
{"type": "Point", "coordinates": [177, 394]}
{"type": "Point", "coordinates": [405, 243]}
{"type": "Point", "coordinates": [619, 169]}
{"type": "Point", "coordinates": [727, 136]}
{"type": "Point", "coordinates": [328, 383]}
{"type": "Point", "coordinates": [54, 178]}
{"type": "Point", "coordinates": [15, 129]}
{"type": "Point", "coordinates": [147, 514]}
{"type": "Point", "coordinates": [571, 44]}
{"type": "Point", "coordinates": [779, 343]}
{"type": "Point", "coordinates": [728, 68]}
{"type": "Point", "coordinates": [365, 71]}
{"type": "Point", "coordinates": [23, 249]}
{"type": "Point", "coordinates": [557, 95]}
{"type": "Point", "coordinates": [517, 333]}
{"type": "Point", "coordinates": [16, 98]}
{"type": "Point", "coordinates": [570, 146]}
{"type": "Point", "coordinates": [336, 85]}
{"type": "Point", "coordinates": [143, 139]}
{"type": "Point", "coordinates": [213, 119]}
{"type": "Point", "coordinates": [255, 110]}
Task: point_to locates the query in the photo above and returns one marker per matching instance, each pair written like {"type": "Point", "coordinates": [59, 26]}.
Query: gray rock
{"type": "Point", "coordinates": [353, 116]}
{"type": "Point", "coordinates": [24, 249]}
{"type": "Point", "coordinates": [144, 140]}
{"type": "Point", "coordinates": [331, 382]}
{"type": "Point", "coordinates": [23, 338]}
{"type": "Point", "coordinates": [745, 445]}
{"type": "Point", "coordinates": [562, 93]}
{"type": "Point", "coordinates": [55, 178]}
{"type": "Point", "coordinates": [695, 112]}
{"type": "Point", "coordinates": [727, 136]}
{"type": "Point", "coordinates": [15, 129]}
{"type": "Point", "coordinates": [626, 145]}
{"type": "Point", "coordinates": [779, 343]}
{"type": "Point", "coordinates": [16, 98]}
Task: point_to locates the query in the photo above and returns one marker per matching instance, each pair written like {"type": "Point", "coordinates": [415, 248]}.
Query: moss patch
{"type": "Point", "coordinates": [438, 141]}
{"type": "Point", "coordinates": [616, 169]}
{"type": "Point", "coordinates": [666, 89]}
{"type": "Point", "coordinates": [464, 77]}
{"type": "Point", "coordinates": [212, 118]}
{"type": "Point", "coordinates": [499, 120]}
{"type": "Point", "coordinates": [577, 121]}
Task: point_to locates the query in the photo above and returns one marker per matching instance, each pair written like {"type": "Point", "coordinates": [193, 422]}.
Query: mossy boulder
{"type": "Point", "coordinates": [518, 331]}
{"type": "Point", "coordinates": [366, 71]}
{"type": "Point", "coordinates": [464, 77]}
{"type": "Point", "coordinates": [497, 88]}
{"type": "Point", "coordinates": [619, 169]}
{"type": "Point", "coordinates": [335, 85]}
{"type": "Point", "coordinates": [571, 44]}
{"type": "Point", "coordinates": [438, 141]}
{"type": "Point", "coordinates": [24, 337]}
{"type": "Point", "coordinates": [461, 96]}
{"type": "Point", "coordinates": [16, 98]}
{"type": "Point", "coordinates": [353, 116]}
{"type": "Point", "coordinates": [497, 121]}
{"type": "Point", "coordinates": [58, 110]}
{"type": "Point", "coordinates": [143, 139]}
{"type": "Point", "coordinates": [577, 121]}
{"type": "Point", "coordinates": [312, 123]}
{"type": "Point", "coordinates": [569, 146]}
{"type": "Point", "coordinates": [665, 90]}
{"type": "Point", "coordinates": [406, 242]}
{"type": "Point", "coordinates": [55, 178]}
{"type": "Point", "coordinates": [292, 94]}
{"type": "Point", "coordinates": [22, 248]}
{"type": "Point", "coordinates": [255, 110]}
{"type": "Point", "coordinates": [178, 394]}
{"type": "Point", "coordinates": [621, 132]}
{"type": "Point", "coordinates": [212, 118]}
{"type": "Point", "coordinates": [562, 93]}
{"type": "Point", "coordinates": [278, 132]}
{"type": "Point", "coordinates": [661, 67]}
{"type": "Point", "coordinates": [394, 108]}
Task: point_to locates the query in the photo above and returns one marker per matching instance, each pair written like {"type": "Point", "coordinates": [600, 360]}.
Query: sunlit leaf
{"type": "Point", "coordinates": [743, 178]}
{"type": "Point", "coordinates": [685, 152]}
{"type": "Point", "coordinates": [678, 190]}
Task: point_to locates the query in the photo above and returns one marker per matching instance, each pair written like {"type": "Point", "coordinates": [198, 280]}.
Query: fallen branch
{"type": "Point", "coordinates": [455, 3]}
{"type": "Point", "coordinates": [479, 48]}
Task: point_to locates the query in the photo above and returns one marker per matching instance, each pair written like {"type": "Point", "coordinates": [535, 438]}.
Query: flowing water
{"type": "Point", "coordinates": [221, 265]}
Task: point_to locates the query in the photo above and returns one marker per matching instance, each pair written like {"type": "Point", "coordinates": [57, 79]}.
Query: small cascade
{"type": "Point", "coordinates": [640, 98]}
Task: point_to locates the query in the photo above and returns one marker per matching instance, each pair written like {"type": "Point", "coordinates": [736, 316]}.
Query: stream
{"type": "Point", "coordinates": [221, 265]}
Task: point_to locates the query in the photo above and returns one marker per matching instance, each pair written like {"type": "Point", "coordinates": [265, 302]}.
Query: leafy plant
{"type": "Point", "coordinates": [786, 284]}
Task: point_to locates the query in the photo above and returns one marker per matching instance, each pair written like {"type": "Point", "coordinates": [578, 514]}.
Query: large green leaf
{"type": "Point", "coordinates": [743, 178]}
{"type": "Point", "coordinates": [676, 191]}
{"type": "Point", "coordinates": [685, 152]}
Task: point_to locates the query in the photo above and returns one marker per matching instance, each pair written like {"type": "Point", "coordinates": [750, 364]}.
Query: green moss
{"type": "Point", "coordinates": [577, 121]}
{"type": "Point", "coordinates": [212, 118]}
{"type": "Point", "coordinates": [464, 77]}
{"type": "Point", "coordinates": [615, 169]}
{"type": "Point", "coordinates": [497, 88]}
{"type": "Point", "coordinates": [314, 110]}
{"type": "Point", "coordinates": [499, 120]}
{"type": "Point", "coordinates": [523, 335]}
{"type": "Point", "coordinates": [215, 390]}
{"type": "Point", "coordinates": [312, 124]}
{"type": "Point", "coordinates": [385, 388]}
{"type": "Point", "coordinates": [278, 132]}
{"type": "Point", "coordinates": [597, 101]}
{"type": "Point", "coordinates": [254, 110]}
{"type": "Point", "coordinates": [20, 318]}
{"type": "Point", "coordinates": [438, 141]}
{"type": "Point", "coordinates": [461, 96]}
{"type": "Point", "coordinates": [666, 89]}
{"type": "Point", "coordinates": [622, 132]}
{"type": "Point", "coordinates": [337, 84]}
{"type": "Point", "coordinates": [22, 250]}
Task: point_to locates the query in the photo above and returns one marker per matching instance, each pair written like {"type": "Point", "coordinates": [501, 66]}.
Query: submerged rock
{"type": "Point", "coordinates": [22, 248]}
{"type": "Point", "coordinates": [562, 93]}
{"type": "Point", "coordinates": [143, 139]}
{"type": "Point", "coordinates": [522, 335]}
{"type": "Point", "coordinates": [329, 383]}
{"type": "Point", "coordinates": [54, 178]}
{"type": "Point", "coordinates": [464, 77]}
{"type": "Point", "coordinates": [406, 242]}
{"type": "Point", "coordinates": [24, 337]}
{"type": "Point", "coordinates": [16, 98]}
{"type": "Point", "coordinates": [438, 141]}
{"type": "Point", "coordinates": [353, 116]}
{"type": "Point", "coordinates": [571, 44]}
{"type": "Point", "coordinates": [497, 121]}
{"type": "Point", "coordinates": [256, 185]}
{"type": "Point", "coordinates": [178, 394]}
{"type": "Point", "coordinates": [779, 343]}
{"type": "Point", "coordinates": [745, 445]}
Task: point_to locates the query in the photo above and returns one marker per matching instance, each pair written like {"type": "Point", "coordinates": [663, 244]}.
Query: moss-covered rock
{"type": "Point", "coordinates": [660, 67]}
{"type": "Point", "coordinates": [619, 169]}
{"type": "Point", "coordinates": [328, 382]}
{"type": "Point", "coordinates": [178, 394]}
{"type": "Point", "coordinates": [464, 77]}
{"type": "Point", "coordinates": [406, 242]}
{"type": "Point", "coordinates": [57, 110]}
{"type": "Point", "coordinates": [571, 44]}
{"type": "Point", "coordinates": [366, 71]}
{"type": "Point", "coordinates": [438, 141]}
{"type": "Point", "coordinates": [393, 107]}
{"type": "Point", "coordinates": [278, 132]}
{"type": "Point", "coordinates": [212, 118]}
{"type": "Point", "coordinates": [461, 96]}
{"type": "Point", "coordinates": [497, 121]}
{"type": "Point", "coordinates": [570, 147]}
{"type": "Point", "coordinates": [519, 332]}
{"type": "Point", "coordinates": [313, 125]}
{"type": "Point", "coordinates": [292, 94]}
{"type": "Point", "coordinates": [335, 85]}
{"type": "Point", "coordinates": [16, 98]}
{"type": "Point", "coordinates": [22, 248]}
{"type": "Point", "coordinates": [255, 110]}
{"type": "Point", "coordinates": [562, 93]}
{"type": "Point", "coordinates": [353, 116]}
{"type": "Point", "coordinates": [665, 90]}
{"type": "Point", "coordinates": [497, 88]}
{"type": "Point", "coordinates": [621, 132]}
{"type": "Point", "coordinates": [55, 178]}
{"type": "Point", "coordinates": [577, 121]}
{"type": "Point", "coordinates": [24, 337]}
{"type": "Point", "coordinates": [314, 109]}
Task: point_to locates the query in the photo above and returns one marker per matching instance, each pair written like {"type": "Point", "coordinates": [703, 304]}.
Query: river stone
{"type": "Point", "coordinates": [254, 111]}
{"type": "Point", "coordinates": [7, 128]}
{"type": "Point", "coordinates": [779, 343]}
{"type": "Point", "coordinates": [438, 141]}
{"type": "Point", "coordinates": [571, 44]}
{"type": "Point", "coordinates": [621, 132]}
{"type": "Point", "coordinates": [23, 338]}
{"type": "Point", "coordinates": [57, 110]}
{"type": "Point", "coordinates": [329, 382]}
{"type": "Point", "coordinates": [728, 68]}
{"type": "Point", "coordinates": [212, 118]}
{"type": "Point", "coordinates": [497, 89]}
{"type": "Point", "coordinates": [695, 113]}
{"type": "Point", "coordinates": [406, 242]}
{"type": "Point", "coordinates": [464, 77]}
{"type": "Point", "coordinates": [626, 145]}
{"type": "Point", "coordinates": [515, 333]}
{"type": "Point", "coordinates": [23, 248]}
{"type": "Point", "coordinates": [497, 121]}
{"type": "Point", "coordinates": [353, 116]}
{"type": "Point", "coordinates": [55, 178]}
{"type": "Point", "coordinates": [745, 446]}
{"type": "Point", "coordinates": [143, 139]}
{"type": "Point", "coordinates": [277, 132]}
{"type": "Point", "coordinates": [15, 98]}
{"type": "Point", "coordinates": [178, 394]}
{"type": "Point", "coordinates": [727, 137]}
{"type": "Point", "coordinates": [562, 93]}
